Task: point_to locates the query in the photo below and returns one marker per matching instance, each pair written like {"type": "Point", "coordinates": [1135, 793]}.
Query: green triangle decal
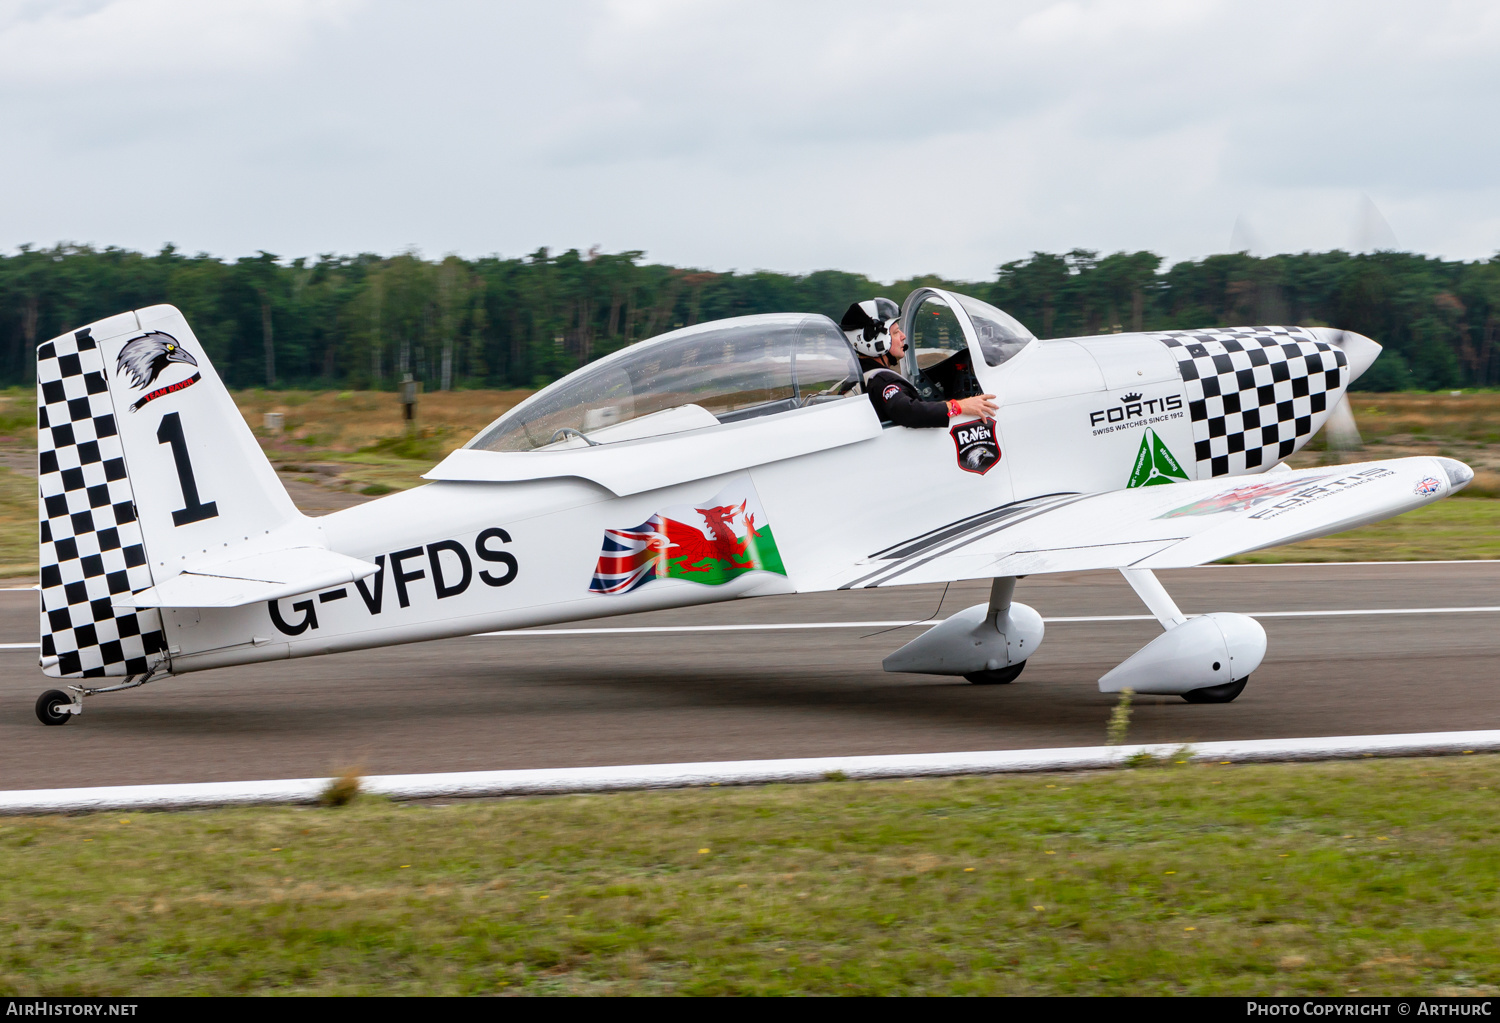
{"type": "Point", "coordinates": [1154, 463]}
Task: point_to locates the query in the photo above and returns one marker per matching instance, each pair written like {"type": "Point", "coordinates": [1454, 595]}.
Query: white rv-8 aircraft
{"type": "Point", "coordinates": [729, 459]}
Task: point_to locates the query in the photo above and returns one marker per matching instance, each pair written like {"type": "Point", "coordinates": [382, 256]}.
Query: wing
{"type": "Point", "coordinates": [1172, 526]}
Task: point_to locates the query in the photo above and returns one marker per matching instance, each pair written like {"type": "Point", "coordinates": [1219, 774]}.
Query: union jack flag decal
{"type": "Point", "coordinates": [629, 557]}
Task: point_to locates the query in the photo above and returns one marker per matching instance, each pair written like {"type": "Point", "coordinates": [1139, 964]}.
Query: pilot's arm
{"type": "Point", "coordinates": [896, 401]}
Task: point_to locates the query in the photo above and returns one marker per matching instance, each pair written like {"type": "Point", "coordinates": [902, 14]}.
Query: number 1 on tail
{"type": "Point", "coordinates": [170, 432]}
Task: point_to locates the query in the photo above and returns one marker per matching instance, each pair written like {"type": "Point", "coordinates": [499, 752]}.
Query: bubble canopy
{"type": "Point", "coordinates": [688, 379]}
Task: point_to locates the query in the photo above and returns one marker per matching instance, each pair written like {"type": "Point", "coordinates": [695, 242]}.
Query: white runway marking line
{"type": "Point", "coordinates": [1328, 564]}
{"type": "Point", "coordinates": [554, 781]}
{"type": "Point", "coordinates": [785, 626]}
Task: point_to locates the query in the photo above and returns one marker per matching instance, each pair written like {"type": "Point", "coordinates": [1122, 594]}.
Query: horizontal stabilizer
{"type": "Point", "coordinates": [1172, 526]}
{"type": "Point", "coordinates": [253, 578]}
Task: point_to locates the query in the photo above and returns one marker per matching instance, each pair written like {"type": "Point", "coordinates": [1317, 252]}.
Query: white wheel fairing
{"type": "Point", "coordinates": [1210, 650]}
{"type": "Point", "coordinates": [974, 639]}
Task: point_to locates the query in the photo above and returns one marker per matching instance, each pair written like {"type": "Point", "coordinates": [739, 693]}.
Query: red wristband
{"type": "Point", "coordinates": [954, 409]}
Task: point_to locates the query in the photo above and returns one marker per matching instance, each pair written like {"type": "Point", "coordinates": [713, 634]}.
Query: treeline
{"type": "Point", "coordinates": [365, 321]}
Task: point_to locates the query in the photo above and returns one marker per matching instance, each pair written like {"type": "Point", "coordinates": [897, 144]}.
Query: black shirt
{"type": "Point", "coordinates": [896, 399]}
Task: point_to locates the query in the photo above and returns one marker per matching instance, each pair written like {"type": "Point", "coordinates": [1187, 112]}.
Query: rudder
{"type": "Point", "coordinates": [91, 550]}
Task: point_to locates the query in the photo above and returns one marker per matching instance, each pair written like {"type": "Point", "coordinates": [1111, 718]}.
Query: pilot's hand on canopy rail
{"type": "Point", "coordinates": [980, 406]}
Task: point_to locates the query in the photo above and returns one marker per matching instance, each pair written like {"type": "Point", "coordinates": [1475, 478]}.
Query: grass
{"type": "Point", "coordinates": [18, 416]}
{"type": "Point", "coordinates": [359, 439]}
{"type": "Point", "coordinates": [356, 425]}
{"type": "Point", "coordinates": [18, 527]}
{"type": "Point", "coordinates": [1464, 426]}
{"type": "Point", "coordinates": [1374, 877]}
{"type": "Point", "coordinates": [1472, 416]}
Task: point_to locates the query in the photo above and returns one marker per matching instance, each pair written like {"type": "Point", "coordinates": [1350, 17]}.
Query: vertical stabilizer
{"type": "Point", "coordinates": [144, 464]}
{"type": "Point", "coordinates": [201, 481]}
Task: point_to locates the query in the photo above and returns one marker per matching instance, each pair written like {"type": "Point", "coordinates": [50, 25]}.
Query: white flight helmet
{"type": "Point", "coordinates": [867, 325]}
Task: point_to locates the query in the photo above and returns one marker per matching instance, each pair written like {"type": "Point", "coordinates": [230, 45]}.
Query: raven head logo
{"type": "Point", "coordinates": [146, 356]}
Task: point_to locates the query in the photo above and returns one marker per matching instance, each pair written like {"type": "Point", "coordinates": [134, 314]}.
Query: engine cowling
{"type": "Point", "coordinates": [975, 639]}
{"type": "Point", "coordinates": [1209, 650]}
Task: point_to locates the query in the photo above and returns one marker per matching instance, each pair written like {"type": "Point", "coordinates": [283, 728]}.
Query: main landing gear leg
{"type": "Point", "coordinates": [1155, 596]}
{"type": "Point", "coordinates": [1001, 592]}
{"type": "Point", "coordinates": [56, 707]}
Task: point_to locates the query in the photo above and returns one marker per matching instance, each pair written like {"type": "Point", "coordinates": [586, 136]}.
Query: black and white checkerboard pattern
{"type": "Point", "coordinates": [1253, 392]}
{"type": "Point", "coordinates": [91, 549]}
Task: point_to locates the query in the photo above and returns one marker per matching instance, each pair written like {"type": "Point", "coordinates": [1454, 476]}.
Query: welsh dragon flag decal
{"type": "Point", "coordinates": [709, 543]}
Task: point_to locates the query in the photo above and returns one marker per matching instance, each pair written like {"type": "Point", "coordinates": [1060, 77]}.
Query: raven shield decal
{"type": "Point", "coordinates": [978, 451]}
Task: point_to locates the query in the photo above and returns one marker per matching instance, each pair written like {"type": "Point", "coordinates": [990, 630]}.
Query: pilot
{"type": "Point", "coordinates": [873, 331]}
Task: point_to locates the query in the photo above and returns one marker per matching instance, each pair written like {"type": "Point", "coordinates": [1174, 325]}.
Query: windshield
{"type": "Point", "coordinates": [1001, 335]}
{"type": "Point", "coordinates": [699, 376]}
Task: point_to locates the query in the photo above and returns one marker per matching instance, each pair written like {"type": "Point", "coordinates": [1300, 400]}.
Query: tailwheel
{"type": "Point", "coordinates": [1217, 694]}
{"type": "Point", "coordinates": [54, 707]}
{"type": "Point", "coordinates": [999, 676]}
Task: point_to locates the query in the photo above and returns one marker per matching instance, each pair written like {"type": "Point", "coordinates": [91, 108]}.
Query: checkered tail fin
{"type": "Point", "coordinates": [143, 463]}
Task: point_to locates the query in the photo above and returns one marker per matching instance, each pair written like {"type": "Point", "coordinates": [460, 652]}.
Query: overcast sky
{"type": "Point", "coordinates": [887, 138]}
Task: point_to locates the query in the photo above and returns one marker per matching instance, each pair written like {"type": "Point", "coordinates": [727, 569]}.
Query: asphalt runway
{"type": "Point", "coordinates": [488, 703]}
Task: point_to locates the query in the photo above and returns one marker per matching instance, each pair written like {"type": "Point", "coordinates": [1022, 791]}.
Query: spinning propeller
{"type": "Point", "coordinates": [1372, 233]}
{"type": "Point", "coordinates": [1341, 430]}
{"type": "Point", "coordinates": [1360, 352]}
